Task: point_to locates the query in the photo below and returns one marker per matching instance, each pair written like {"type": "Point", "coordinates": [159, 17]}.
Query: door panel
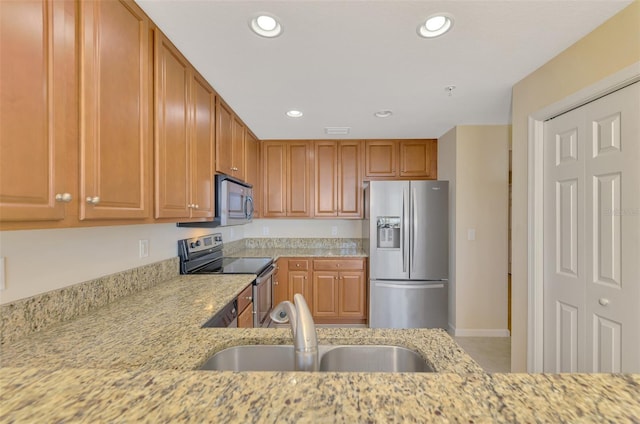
{"type": "Point", "coordinates": [613, 232]}
{"type": "Point", "coordinates": [592, 229]}
{"type": "Point", "coordinates": [564, 286]}
{"type": "Point", "coordinates": [429, 235]}
{"type": "Point", "coordinates": [389, 229]}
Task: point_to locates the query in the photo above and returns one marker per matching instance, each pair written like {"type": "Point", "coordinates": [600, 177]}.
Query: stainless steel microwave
{"type": "Point", "coordinates": [234, 201]}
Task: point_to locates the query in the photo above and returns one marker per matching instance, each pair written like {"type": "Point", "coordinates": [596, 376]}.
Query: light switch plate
{"type": "Point", "coordinates": [144, 248]}
{"type": "Point", "coordinates": [2, 273]}
{"type": "Point", "coordinates": [334, 230]}
{"type": "Point", "coordinates": [471, 234]}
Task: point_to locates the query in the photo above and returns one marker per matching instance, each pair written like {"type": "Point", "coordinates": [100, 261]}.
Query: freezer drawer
{"type": "Point", "coordinates": [408, 304]}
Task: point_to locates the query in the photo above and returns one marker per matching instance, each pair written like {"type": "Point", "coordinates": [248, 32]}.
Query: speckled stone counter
{"type": "Point", "coordinates": [160, 329]}
{"type": "Point", "coordinates": [81, 395]}
{"type": "Point", "coordinates": [134, 360]}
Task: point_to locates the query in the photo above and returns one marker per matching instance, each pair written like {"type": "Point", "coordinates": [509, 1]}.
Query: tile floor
{"type": "Point", "coordinates": [492, 353]}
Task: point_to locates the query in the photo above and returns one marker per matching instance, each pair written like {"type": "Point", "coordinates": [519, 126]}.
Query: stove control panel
{"type": "Point", "coordinates": [208, 242]}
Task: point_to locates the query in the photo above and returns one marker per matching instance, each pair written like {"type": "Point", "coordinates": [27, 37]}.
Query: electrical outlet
{"type": "Point", "coordinates": [2, 273]}
{"type": "Point", "coordinates": [471, 234]}
{"type": "Point", "coordinates": [265, 231]}
{"type": "Point", "coordinates": [144, 248]}
{"type": "Point", "coordinates": [231, 234]}
{"type": "Point", "coordinates": [334, 230]}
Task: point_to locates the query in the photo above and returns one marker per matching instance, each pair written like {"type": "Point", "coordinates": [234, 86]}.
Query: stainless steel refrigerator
{"type": "Point", "coordinates": [406, 230]}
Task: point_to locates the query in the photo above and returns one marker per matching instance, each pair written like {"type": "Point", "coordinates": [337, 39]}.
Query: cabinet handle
{"type": "Point", "coordinates": [93, 200]}
{"type": "Point", "coordinates": [233, 168]}
{"type": "Point", "coordinates": [249, 298]}
{"type": "Point", "coordinates": [63, 197]}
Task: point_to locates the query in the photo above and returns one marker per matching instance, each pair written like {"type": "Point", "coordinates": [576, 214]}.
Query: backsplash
{"type": "Point", "coordinates": [25, 316]}
{"type": "Point", "coordinates": [302, 243]}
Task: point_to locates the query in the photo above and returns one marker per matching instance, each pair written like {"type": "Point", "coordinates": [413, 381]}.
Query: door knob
{"type": "Point", "coordinates": [93, 200]}
{"type": "Point", "coordinates": [603, 301]}
{"type": "Point", "coordinates": [63, 197]}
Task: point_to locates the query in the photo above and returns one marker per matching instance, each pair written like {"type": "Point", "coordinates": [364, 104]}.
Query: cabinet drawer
{"type": "Point", "coordinates": [298, 264]}
{"type": "Point", "coordinates": [245, 298]}
{"type": "Point", "coordinates": [338, 264]}
{"type": "Point", "coordinates": [245, 319]}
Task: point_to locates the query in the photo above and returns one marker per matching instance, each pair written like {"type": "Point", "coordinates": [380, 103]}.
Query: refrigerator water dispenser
{"type": "Point", "coordinates": [389, 232]}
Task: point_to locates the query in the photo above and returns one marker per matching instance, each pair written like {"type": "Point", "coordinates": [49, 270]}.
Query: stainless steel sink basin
{"type": "Point", "coordinates": [348, 358]}
{"type": "Point", "coordinates": [373, 359]}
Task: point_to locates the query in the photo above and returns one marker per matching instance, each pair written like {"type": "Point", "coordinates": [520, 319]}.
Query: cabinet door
{"type": "Point", "coordinates": [299, 179]}
{"type": "Point", "coordinates": [299, 283]}
{"type": "Point", "coordinates": [353, 295]}
{"type": "Point", "coordinates": [245, 318]}
{"type": "Point", "coordinates": [172, 77]}
{"type": "Point", "coordinates": [325, 294]}
{"type": "Point", "coordinates": [415, 158]}
{"type": "Point", "coordinates": [281, 282]}
{"type": "Point", "coordinates": [349, 180]}
{"type": "Point", "coordinates": [237, 149]}
{"type": "Point", "coordinates": [274, 194]}
{"type": "Point", "coordinates": [224, 138]}
{"type": "Point", "coordinates": [380, 158]}
{"type": "Point", "coordinates": [36, 111]}
{"type": "Point", "coordinates": [202, 143]}
{"type": "Point", "coordinates": [114, 109]}
{"type": "Point", "coordinates": [326, 178]}
{"type": "Point", "coordinates": [252, 166]}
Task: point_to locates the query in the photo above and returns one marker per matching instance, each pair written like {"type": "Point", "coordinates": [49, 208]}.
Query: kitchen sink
{"type": "Point", "coordinates": [332, 358]}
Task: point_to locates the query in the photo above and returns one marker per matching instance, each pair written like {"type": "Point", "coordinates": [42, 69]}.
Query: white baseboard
{"type": "Point", "coordinates": [461, 332]}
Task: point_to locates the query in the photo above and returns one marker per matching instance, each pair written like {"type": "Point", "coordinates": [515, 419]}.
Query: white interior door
{"type": "Point", "coordinates": [592, 237]}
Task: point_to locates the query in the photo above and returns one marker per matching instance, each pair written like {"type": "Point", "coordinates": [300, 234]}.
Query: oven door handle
{"type": "Point", "coordinates": [266, 274]}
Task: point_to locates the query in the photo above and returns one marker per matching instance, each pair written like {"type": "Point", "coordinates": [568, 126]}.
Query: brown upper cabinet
{"type": "Point", "coordinates": [230, 148]}
{"type": "Point", "coordinates": [37, 111]}
{"type": "Point", "coordinates": [400, 159]}
{"type": "Point", "coordinates": [184, 136]}
{"type": "Point", "coordinates": [338, 184]}
{"type": "Point", "coordinates": [115, 137]}
{"type": "Point", "coordinates": [287, 178]}
{"type": "Point", "coordinates": [252, 167]}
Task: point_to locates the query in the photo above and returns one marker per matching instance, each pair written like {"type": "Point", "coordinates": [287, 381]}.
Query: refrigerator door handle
{"type": "Point", "coordinates": [411, 286]}
{"type": "Point", "coordinates": [412, 236]}
{"type": "Point", "coordinates": [404, 231]}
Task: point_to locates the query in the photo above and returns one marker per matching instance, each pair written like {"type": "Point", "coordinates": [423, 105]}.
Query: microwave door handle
{"type": "Point", "coordinates": [248, 203]}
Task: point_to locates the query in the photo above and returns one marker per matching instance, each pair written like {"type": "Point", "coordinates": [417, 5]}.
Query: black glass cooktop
{"type": "Point", "coordinates": [236, 266]}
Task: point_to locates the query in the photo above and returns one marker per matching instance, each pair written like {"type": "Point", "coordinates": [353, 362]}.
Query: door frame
{"type": "Point", "coordinates": [535, 196]}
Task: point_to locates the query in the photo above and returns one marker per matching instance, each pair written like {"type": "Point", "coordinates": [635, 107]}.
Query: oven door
{"type": "Point", "coordinates": [263, 298]}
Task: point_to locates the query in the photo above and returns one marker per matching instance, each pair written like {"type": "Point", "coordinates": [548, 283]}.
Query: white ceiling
{"type": "Point", "coordinates": [341, 61]}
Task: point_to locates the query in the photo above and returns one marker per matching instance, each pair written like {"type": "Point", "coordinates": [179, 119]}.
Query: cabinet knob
{"type": "Point", "coordinates": [93, 200]}
{"type": "Point", "coordinates": [196, 206]}
{"type": "Point", "coordinates": [298, 265]}
{"type": "Point", "coordinates": [603, 301]}
{"type": "Point", "coordinates": [63, 197]}
{"type": "Point", "coordinates": [233, 168]}
{"type": "Point", "coordinates": [249, 298]}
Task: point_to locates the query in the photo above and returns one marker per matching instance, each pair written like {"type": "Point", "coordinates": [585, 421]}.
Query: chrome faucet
{"type": "Point", "coordinates": [305, 340]}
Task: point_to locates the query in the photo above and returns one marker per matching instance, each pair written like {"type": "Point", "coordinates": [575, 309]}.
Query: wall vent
{"type": "Point", "coordinates": [337, 130]}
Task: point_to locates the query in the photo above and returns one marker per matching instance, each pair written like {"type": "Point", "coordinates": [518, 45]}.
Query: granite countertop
{"type": "Point", "coordinates": [134, 360]}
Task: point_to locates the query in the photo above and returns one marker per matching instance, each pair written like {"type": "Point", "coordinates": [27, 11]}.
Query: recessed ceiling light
{"type": "Point", "coordinates": [435, 25]}
{"type": "Point", "coordinates": [266, 26]}
{"type": "Point", "coordinates": [383, 114]}
{"type": "Point", "coordinates": [294, 114]}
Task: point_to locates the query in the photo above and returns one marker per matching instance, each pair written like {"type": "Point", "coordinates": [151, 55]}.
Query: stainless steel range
{"type": "Point", "coordinates": [203, 255]}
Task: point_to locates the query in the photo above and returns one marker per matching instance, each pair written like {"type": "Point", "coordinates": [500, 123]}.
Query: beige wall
{"type": "Point", "coordinates": [613, 46]}
{"type": "Point", "coordinates": [447, 171]}
{"type": "Point", "coordinates": [476, 160]}
{"type": "Point", "coordinates": [70, 256]}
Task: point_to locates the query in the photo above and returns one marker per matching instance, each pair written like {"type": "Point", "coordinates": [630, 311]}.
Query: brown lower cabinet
{"type": "Point", "coordinates": [335, 289]}
{"type": "Point", "coordinates": [245, 308]}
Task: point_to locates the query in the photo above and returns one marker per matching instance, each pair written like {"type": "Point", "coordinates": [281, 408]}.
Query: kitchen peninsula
{"type": "Point", "coordinates": [135, 359]}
